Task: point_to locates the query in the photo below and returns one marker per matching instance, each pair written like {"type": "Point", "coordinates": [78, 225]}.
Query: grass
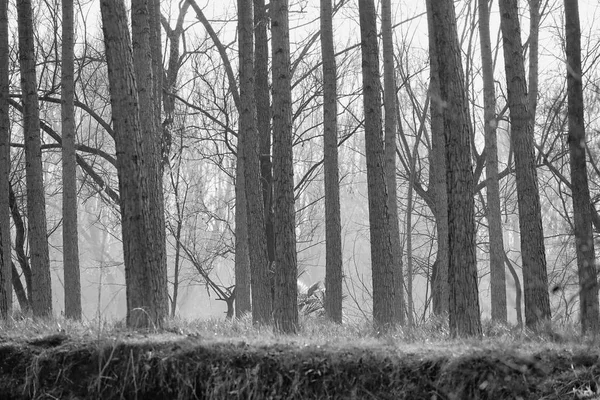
{"type": "Point", "coordinates": [218, 359]}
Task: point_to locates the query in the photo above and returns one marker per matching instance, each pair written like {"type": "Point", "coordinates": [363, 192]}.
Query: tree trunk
{"type": "Point", "coordinates": [147, 64]}
{"type": "Point", "coordinates": [20, 248]}
{"type": "Point", "coordinates": [5, 250]}
{"type": "Point", "coordinates": [242, 258]}
{"type": "Point", "coordinates": [463, 308]}
{"type": "Point", "coordinates": [70, 237]}
{"type": "Point", "coordinates": [391, 127]}
{"type": "Point", "coordinates": [534, 33]}
{"type": "Point", "coordinates": [584, 238]}
{"type": "Point", "coordinates": [36, 204]}
{"type": "Point", "coordinates": [535, 278]}
{"type": "Point", "coordinates": [437, 179]}
{"type": "Point", "coordinates": [285, 308]}
{"type": "Point", "coordinates": [382, 266]}
{"type": "Point", "coordinates": [143, 247]}
{"type": "Point", "coordinates": [263, 111]}
{"type": "Point", "coordinates": [497, 274]}
{"type": "Point", "coordinates": [333, 226]}
{"type": "Point", "coordinates": [260, 282]}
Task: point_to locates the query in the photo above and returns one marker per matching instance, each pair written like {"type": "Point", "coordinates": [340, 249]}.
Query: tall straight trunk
{"type": "Point", "coordinates": [535, 278]}
{"type": "Point", "coordinates": [5, 257]}
{"type": "Point", "coordinates": [69, 174]}
{"type": "Point", "coordinates": [410, 305]}
{"type": "Point", "coordinates": [534, 33]}
{"type": "Point", "coordinates": [36, 204]}
{"type": "Point", "coordinates": [464, 315]}
{"type": "Point", "coordinates": [147, 66]}
{"type": "Point", "coordinates": [260, 282]}
{"type": "Point", "coordinates": [588, 281]}
{"type": "Point", "coordinates": [263, 111]}
{"type": "Point", "coordinates": [142, 218]}
{"type": "Point", "coordinates": [391, 127]}
{"type": "Point", "coordinates": [333, 225]}
{"type": "Point", "coordinates": [497, 274]}
{"type": "Point", "coordinates": [285, 310]}
{"type": "Point", "coordinates": [382, 257]}
{"type": "Point", "coordinates": [437, 179]}
{"type": "Point", "coordinates": [242, 256]}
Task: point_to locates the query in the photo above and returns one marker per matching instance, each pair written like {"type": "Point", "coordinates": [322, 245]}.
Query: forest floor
{"type": "Point", "coordinates": [229, 360]}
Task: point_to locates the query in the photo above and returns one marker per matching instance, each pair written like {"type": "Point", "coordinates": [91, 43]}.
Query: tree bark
{"type": "Point", "coordinates": [145, 275]}
{"type": "Point", "coordinates": [497, 272]}
{"type": "Point", "coordinates": [72, 284]}
{"type": "Point", "coordinates": [535, 278]}
{"type": "Point", "coordinates": [263, 111]}
{"type": "Point", "coordinates": [242, 256]}
{"type": "Point", "coordinates": [148, 77]}
{"type": "Point", "coordinates": [260, 282]}
{"type": "Point", "coordinates": [285, 310]}
{"type": "Point", "coordinates": [36, 204]}
{"type": "Point", "coordinates": [584, 238]}
{"type": "Point", "coordinates": [382, 266]}
{"type": "Point", "coordinates": [464, 315]}
{"type": "Point", "coordinates": [333, 225]}
{"type": "Point", "coordinates": [6, 277]}
{"type": "Point", "coordinates": [437, 179]}
{"type": "Point", "coordinates": [391, 127]}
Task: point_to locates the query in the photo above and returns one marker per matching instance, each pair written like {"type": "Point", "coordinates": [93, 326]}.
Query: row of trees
{"type": "Point", "coordinates": [268, 98]}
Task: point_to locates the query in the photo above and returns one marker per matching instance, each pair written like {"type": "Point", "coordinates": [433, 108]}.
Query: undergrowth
{"type": "Point", "coordinates": [220, 359]}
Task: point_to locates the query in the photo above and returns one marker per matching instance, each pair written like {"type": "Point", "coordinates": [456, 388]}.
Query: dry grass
{"type": "Point", "coordinates": [217, 359]}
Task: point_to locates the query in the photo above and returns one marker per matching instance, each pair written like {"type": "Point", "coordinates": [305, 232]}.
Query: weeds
{"type": "Point", "coordinates": [220, 359]}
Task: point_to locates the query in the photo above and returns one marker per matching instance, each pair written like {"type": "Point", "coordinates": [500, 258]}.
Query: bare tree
{"type": "Point", "coordinates": [5, 251]}
{"type": "Point", "coordinates": [146, 300]}
{"type": "Point", "coordinates": [464, 314]}
{"type": "Point", "coordinates": [391, 127]}
{"type": "Point", "coordinates": [437, 178]}
{"type": "Point", "coordinates": [333, 228]}
{"type": "Point", "coordinates": [535, 278]}
{"type": "Point", "coordinates": [285, 306]}
{"type": "Point", "coordinates": [584, 238]}
{"type": "Point", "coordinates": [262, 302]}
{"type": "Point", "coordinates": [382, 257]}
{"type": "Point", "coordinates": [36, 205]}
{"type": "Point", "coordinates": [246, 123]}
{"type": "Point", "coordinates": [263, 113]}
{"type": "Point", "coordinates": [147, 67]}
{"type": "Point", "coordinates": [497, 274]}
{"type": "Point", "coordinates": [70, 237]}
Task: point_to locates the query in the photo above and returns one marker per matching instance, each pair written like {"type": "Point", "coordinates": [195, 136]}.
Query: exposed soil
{"type": "Point", "coordinates": [188, 367]}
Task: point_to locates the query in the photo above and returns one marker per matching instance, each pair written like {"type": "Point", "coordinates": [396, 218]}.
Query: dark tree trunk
{"type": "Point", "coordinates": [6, 270]}
{"type": "Point", "coordinates": [497, 274]}
{"type": "Point", "coordinates": [391, 127]}
{"type": "Point", "coordinates": [535, 278]}
{"type": "Point", "coordinates": [464, 315]}
{"type": "Point", "coordinates": [584, 238]}
{"type": "Point", "coordinates": [242, 260]}
{"type": "Point", "coordinates": [20, 247]}
{"type": "Point", "coordinates": [382, 265]}
{"type": "Point", "coordinates": [285, 307]}
{"type": "Point", "coordinates": [36, 205]}
{"type": "Point", "coordinates": [437, 179]}
{"type": "Point", "coordinates": [260, 280]}
{"type": "Point", "coordinates": [142, 217]}
{"type": "Point", "coordinates": [263, 111]}
{"type": "Point", "coordinates": [70, 237]}
{"type": "Point", "coordinates": [333, 227]}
